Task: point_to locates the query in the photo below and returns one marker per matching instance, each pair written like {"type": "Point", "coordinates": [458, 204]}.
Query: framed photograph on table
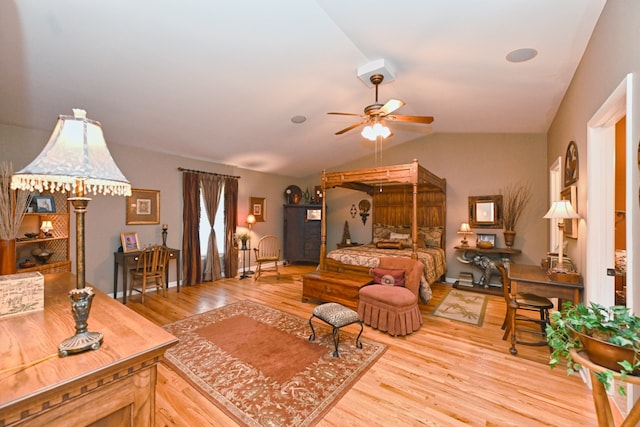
{"type": "Point", "coordinates": [571, 225]}
{"type": "Point", "coordinates": [130, 242]}
{"type": "Point", "coordinates": [44, 204]}
{"type": "Point", "coordinates": [257, 207]}
{"type": "Point", "coordinates": [143, 207]}
{"type": "Point", "coordinates": [491, 238]}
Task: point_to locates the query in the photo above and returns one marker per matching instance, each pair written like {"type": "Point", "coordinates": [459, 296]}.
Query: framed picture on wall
{"type": "Point", "coordinates": [143, 207]}
{"type": "Point", "coordinates": [571, 165]}
{"type": "Point", "coordinates": [571, 225]}
{"type": "Point", "coordinates": [257, 207]}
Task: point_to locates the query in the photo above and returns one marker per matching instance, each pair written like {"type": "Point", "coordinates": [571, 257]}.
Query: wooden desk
{"type": "Point", "coordinates": [129, 260]}
{"type": "Point", "coordinates": [534, 279]}
{"type": "Point", "coordinates": [114, 384]}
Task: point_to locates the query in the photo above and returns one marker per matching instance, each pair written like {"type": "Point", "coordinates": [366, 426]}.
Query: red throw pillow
{"type": "Point", "coordinates": [388, 276]}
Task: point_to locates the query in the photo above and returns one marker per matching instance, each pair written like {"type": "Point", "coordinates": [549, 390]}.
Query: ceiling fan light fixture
{"type": "Point", "coordinates": [372, 132]}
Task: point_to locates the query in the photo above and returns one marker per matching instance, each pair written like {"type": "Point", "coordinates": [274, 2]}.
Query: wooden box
{"type": "Point", "coordinates": [572, 278]}
{"type": "Point", "coordinates": [21, 293]}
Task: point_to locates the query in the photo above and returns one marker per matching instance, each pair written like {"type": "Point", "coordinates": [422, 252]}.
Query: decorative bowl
{"type": "Point", "coordinates": [31, 235]}
{"type": "Point", "coordinates": [484, 244]}
{"type": "Point", "coordinates": [43, 256]}
{"type": "Point", "coordinates": [27, 264]}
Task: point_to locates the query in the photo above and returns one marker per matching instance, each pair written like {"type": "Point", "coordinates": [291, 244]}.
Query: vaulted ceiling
{"type": "Point", "coordinates": [220, 81]}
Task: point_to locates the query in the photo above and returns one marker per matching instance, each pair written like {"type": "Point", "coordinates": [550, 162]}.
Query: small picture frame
{"type": "Point", "coordinates": [130, 242]}
{"type": "Point", "coordinates": [487, 238]}
{"type": "Point", "coordinates": [143, 207]}
{"type": "Point", "coordinates": [571, 164]}
{"type": "Point", "coordinates": [257, 207]}
{"type": "Point", "coordinates": [44, 204]}
{"type": "Point", "coordinates": [571, 225]}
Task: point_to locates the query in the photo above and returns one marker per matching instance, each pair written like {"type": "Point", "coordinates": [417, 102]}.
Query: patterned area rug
{"type": "Point", "coordinates": [258, 365]}
{"type": "Point", "coordinates": [463, 306]}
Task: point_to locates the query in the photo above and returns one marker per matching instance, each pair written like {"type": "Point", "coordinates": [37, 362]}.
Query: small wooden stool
{"type": "Point", "coordinates": [337, 316]}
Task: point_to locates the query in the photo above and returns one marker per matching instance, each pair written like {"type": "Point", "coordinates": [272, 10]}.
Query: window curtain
{"type": "Point", "coordinates": [211, 191]}
{"type": "Point", "coordinates": [230, 225]}
{"type": "Point", "coordinates": [191, 264]}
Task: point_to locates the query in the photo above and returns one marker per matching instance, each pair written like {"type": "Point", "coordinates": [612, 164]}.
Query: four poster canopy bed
{"type": "Point", "coordinates": [408, 217]}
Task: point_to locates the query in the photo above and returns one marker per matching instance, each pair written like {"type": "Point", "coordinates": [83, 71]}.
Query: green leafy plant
{"type": "Point", "coordinates": [615, 325]}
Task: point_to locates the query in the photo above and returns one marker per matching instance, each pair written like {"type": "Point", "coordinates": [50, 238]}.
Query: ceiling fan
{"type": "Point", "coordinates": [377, 113]}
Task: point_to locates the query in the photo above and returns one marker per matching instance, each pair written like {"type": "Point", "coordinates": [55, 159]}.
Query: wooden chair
{"type": "Point", "coordinates": [523, 301]}
{"type": "Point", "coordinates": [393, 309]}
{"type": "Point", "coordinates": [267, 250]}
{"type": "Point", "coordinates": [151, 266]}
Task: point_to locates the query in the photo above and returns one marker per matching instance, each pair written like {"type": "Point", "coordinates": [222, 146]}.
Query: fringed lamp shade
{"type": "Point", "coordinates": [75, 152]}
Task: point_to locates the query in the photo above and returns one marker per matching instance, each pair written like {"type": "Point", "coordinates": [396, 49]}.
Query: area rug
{"type": "Point", "coordinates": [463, 306]}
{"type": "Point", "coordinates": [258, 365]}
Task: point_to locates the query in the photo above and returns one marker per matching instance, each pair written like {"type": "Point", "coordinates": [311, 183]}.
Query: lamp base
{"type": "Point", "coordinates": [83, 340]}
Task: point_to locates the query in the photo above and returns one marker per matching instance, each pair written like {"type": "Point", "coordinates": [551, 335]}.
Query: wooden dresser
{"type": "Point", "coordinates": [112, 386]}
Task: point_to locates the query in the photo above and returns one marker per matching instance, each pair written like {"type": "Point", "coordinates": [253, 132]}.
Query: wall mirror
{"type": "Point", "coordinates": [485, 211]}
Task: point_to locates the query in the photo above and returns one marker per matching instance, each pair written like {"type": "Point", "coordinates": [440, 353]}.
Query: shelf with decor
{"type": "Point", "coordinates": [35, 243]}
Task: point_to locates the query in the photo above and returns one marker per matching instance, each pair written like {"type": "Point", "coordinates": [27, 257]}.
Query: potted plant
{"type": "Point", "coordinates": [515, 199]}
{"type": "Point", "coordinates": [243, 237]}
{"type": "Point", "coordinates": [609, 336]}
{"type": "Point", "coordinates": [13, 205]}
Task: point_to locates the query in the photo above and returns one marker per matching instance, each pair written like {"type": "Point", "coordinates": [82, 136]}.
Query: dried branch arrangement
{"type": "Point", "coordinates": [13, 204]}
{"type": "Point", "coordinates": [515, 199]}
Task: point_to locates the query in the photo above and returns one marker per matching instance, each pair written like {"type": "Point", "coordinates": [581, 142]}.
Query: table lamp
{"type": "Point", "coordinates": [561, 210]}
{"type": "Point", "coordinates": [46, 228]}
{"type": "Point", "coordinates": [76, 160]}
{"type": "Point", "coordinates": [465, 230]}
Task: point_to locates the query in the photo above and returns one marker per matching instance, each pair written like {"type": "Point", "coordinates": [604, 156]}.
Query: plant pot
{"type": "Point", "coordinates": [604, 353]}
{"type": "Point", "coordinates": [509, 237]}
{"type": "Point", "coordinates": [7, 257]}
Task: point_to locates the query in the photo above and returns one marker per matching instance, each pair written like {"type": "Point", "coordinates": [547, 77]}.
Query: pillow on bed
{"type": "Point", "coordinates": [403, 238]}
{"type": "Point", "coordinates": [389, 244]}
{"type": "Point", "coordinates": [381, 232]}
{"type": "Point", "coordinates": [388, 276]}
{"type": "Point", "coordinates": [433, 236]}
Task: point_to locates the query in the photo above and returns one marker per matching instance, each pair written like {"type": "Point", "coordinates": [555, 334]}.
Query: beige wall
{"type": "Point", "coordinates": [145, 169]}
{"type": "Point", "coordinates": [474, 165]}
{"type": "Point", "coordinates": [612, 53]}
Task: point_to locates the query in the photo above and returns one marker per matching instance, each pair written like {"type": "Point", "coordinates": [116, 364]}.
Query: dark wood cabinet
{"type": "Point", "coordinates": [301, 233]}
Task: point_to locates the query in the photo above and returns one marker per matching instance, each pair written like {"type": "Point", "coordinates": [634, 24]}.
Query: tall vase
{"type": "Point", "coordinates": [509, 237]}
{"type": "Point", "coordinates": [7, 257]}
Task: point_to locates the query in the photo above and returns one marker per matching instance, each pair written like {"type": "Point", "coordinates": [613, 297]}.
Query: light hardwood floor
{"type": "Point", "coordinates": [446, 374]}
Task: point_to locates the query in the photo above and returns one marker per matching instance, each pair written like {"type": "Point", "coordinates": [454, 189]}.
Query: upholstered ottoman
{"type": "Point", "coordinates": [337, 316]}
{"type": "Point", "coordinates": [391, 309]}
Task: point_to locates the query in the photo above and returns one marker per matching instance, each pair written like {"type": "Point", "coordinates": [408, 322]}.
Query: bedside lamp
{"type": "Point", "coordinates": [46, 228]}
{"type": "Point", "coordinates": [76, 160]}
{"type": "Point", "coordinates": [465, 230]}
{"type": "Point", "coordinates": [561, 210]}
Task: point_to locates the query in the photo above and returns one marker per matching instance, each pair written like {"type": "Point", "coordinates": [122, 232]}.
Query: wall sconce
{"type": "Point", "coordinates": [46, 228]}
{"type": "Point", "coordinates": [364, 206]}
{"type": "Point", "coordinates": [353, 211]}
{"type": "Point", "coordinates": [465, 230]}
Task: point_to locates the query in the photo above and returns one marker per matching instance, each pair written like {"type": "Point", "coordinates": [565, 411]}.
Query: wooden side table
{"type": "Point", "coordinates": [600, 397]}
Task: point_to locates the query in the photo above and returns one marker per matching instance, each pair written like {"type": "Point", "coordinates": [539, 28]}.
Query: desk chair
{"type": "Point", "coordinates": [151, 266]}
{"type": "Point", "coordinates": [523, 301]}
{"type": "Point", "coordinates": [268, 250]}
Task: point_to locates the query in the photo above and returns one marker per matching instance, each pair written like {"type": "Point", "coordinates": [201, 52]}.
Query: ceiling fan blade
{"type": "Point", "coordinates": [412, 119]}
{"type": "Point", "coordinates": [347, 129]}
{"type": "Point", "coordinates": [391, 106]}
{"type": "Point", "coordinates": [347, 114]}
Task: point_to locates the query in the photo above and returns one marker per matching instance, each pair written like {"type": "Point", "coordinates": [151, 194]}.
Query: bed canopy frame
{"type": "Point", "coordinates": [393, 189]}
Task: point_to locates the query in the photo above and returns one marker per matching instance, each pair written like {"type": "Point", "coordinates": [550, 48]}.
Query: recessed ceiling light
{"type": "Point", "coordinates": [522, 55]}
{"type": "Point", "coordinates": [298, 119]}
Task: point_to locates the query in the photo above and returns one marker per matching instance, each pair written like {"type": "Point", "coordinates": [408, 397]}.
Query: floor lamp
{"type": "Point", "coordinates": [76, 160]}
{"type": "Point", "coordinates": [251, 219]}
{"type": "Point", "coordinates": [561, 210]}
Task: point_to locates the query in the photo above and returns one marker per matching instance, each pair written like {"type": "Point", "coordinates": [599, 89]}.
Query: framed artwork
{"type": "Point", "coordinates": [143, 207]}
{"type": "Point", "coordinates": [487, 238]}
{"type": "Point", "coordinates": [44, 204]}
{"type": "Point", "coordinates": [571, 164]}
{"type": "Point", "coordinates": [130, 242]}
{"type": "Point", "coordinates": [257, 207]}
{"type": "Point", "coordinates": [571, 225]}
{"type": "Point", "coordinates": [485, 211]}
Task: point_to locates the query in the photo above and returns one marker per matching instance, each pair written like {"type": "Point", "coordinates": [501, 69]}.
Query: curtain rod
{"type": "Point", "coordinates": [208, 173]}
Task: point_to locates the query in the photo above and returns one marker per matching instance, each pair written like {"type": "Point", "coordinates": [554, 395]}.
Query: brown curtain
{"type": "Point", "coordinates": [191, 264]}
{"type": "Point", "coordinates": [230, 225]}
{"type": "Point", "coordinates": [211, 191]}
